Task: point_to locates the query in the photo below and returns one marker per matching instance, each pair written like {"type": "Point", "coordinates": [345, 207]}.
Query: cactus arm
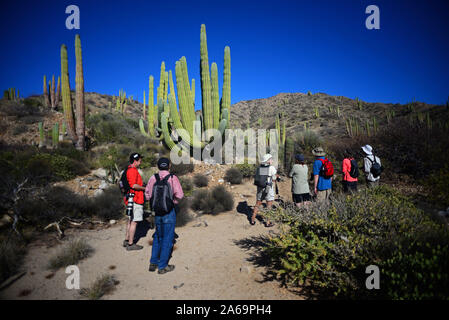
{"type": "Point", "coordinates": [142, 128]}
{"type": "Point", "coordinates": [226, 94]}
{"type": "Point", "coordinates": [79, 96]}
{"type": "Point", "coordinates": [215, 95]}
{"type": "Point", "coordinates": [205, 82]}
{"type": "Point", "coordinates": [151, 107]}
{"type": "Point", "coordinates": [66, 98]}
{"type": "Point", "coordinates": [193, 91]}
{"type": "Point", "coordinates": [144, 106]}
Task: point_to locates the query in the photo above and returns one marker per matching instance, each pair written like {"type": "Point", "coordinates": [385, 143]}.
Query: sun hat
{"type": "Point", "coordinates": [299, 157]}
{"type": "Point", "coordinates": [135, 156]}
{"type": "Point", "coordinates": [318, 152]}
{"type": "Point", "coordinates": [368, 149]}
{"type": "Point", "coordinates": [163, 163]}
{"type": "Point", "coordinates": [266, 157]}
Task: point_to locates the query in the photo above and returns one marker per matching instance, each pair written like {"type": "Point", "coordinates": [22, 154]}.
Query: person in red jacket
{"type": "Point", "coordinates": [349, 182]}
{"type": "Point", "coordinates": [137, 188]}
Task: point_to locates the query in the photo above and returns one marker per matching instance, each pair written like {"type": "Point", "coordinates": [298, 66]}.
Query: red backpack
{"type": "Point", "coordinates": [327, 169]}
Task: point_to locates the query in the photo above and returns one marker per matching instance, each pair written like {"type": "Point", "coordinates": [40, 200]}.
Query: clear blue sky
{"type": "Point", "coordinates": [276, 46]}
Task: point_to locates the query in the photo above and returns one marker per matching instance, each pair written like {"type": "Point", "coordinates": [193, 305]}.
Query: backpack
{"type": "Point", "coordinates": [376, 168]}
{"type": "Point", "coordinates": [161, 200]}
{"type": "Point", "coordinates": [354, 171]}
{"type": "Point", "coordinates": [327, 169]}
{"type": "Point", "coordinates": [123, 183]}
{"type": "Point", "coordinates": [261, 177]}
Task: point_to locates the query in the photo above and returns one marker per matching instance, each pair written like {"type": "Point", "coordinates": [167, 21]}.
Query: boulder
{"type": "Point", "coordinates": [100, 173]}
{"type": "Point", "coordinates": [103, 185]}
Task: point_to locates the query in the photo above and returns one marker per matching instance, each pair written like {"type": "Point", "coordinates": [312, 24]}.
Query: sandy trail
{"type": "Point", "coordinates": [208, 263]}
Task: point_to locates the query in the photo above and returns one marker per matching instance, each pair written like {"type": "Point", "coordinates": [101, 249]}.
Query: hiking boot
{"type": "Point", "coordinates": [152, 267]}
{"type": "Point", "coordinates": [168, 268]}
{"type": "Point", "coordinates": [134, 247]}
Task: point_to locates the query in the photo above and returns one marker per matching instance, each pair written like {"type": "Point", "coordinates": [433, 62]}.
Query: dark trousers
{"type": "Point", "coordinates": [349, 186]}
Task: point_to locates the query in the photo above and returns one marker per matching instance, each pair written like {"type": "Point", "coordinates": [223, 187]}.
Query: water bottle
{"type": "Point", "coordinates": [129, 207]}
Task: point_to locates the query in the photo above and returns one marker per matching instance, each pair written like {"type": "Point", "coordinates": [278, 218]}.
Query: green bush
{"type": "Point", "coordinates": [200, 180]}
{"type": "Point", "coordinates": [234, 176]}
{"type": "Point", "coordinates": [186, 184]}
{"type": "Point", "coordinates": [182, 169]}
{"type": "Point", "coordinates": [306, 141]}
{"type": "Point", "coordinates": [438, 183]}
{"type": "Point", "coordinates": [212, 201]}
{"type": "Point", "coordinates": [329, 247]}
{"type": "Point", "coordinates": [247, 170]}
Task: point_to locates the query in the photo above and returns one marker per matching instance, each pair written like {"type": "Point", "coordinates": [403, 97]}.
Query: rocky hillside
{"type": "Point", "coordinates": [322, 113]}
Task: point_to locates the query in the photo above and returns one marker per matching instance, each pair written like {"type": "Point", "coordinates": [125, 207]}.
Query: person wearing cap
{"type": "Point", "coordinates": [136, 184]}
{"type": "Point", "coordinates": [266, 193]}
{"type": "Point", "coordinates": [322, 186]}
{"type": "Point", "coordinates": [367, 163]}
{"type": "Point", "coordinates": [165, 225]}
{"type": "Point", "coordinates": [300, 186]}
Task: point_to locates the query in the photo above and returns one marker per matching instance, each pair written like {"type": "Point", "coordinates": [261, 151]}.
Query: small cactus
{"type": "Point", "coordinates": [41, 135]}
{"type": "Point", "coordinates": [55, 135]}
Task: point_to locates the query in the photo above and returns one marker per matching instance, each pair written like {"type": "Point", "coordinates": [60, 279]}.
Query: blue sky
{"type": "Point", "coordinates": [276, 46]}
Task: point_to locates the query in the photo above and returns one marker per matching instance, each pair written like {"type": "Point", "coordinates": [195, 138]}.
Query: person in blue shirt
{"type": "Point", "coordinates": [322, 186]}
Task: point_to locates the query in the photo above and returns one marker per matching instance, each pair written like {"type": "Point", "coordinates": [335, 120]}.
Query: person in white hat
{"type": "Point", "coordinates": [269, 174]}
{"type": "Point", "coordinates": [372, 166]}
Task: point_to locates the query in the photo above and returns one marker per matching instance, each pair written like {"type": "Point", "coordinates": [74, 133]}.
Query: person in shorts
{"type": "Point", "coordinates": [137, 188]}
{"type": "Point", "coordinates": [300, 186]}
{"type": "Point", "coordinates": [266, 193]}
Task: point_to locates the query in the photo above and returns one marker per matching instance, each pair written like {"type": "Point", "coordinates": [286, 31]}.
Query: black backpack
{"type": "Point", "coordinates": [261, 177]}
{"type": "Point", "coordinates": [354, 171]}
{"type": "Point", "coordinates": [123, 183]}
{"type": "Point", "coordinates": [161, 200]}
{"type": "Point", "coordinates": [376, 168]}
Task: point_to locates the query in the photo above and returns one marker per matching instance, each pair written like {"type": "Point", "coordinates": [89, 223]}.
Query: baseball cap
{"type": "Point", "coordinates": [135, 156]}
{"type": "Point", "coordinates": [163, 163]}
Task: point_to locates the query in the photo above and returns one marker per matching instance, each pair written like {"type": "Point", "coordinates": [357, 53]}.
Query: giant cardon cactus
{"type": "Point", "coordinates": [185, 129]}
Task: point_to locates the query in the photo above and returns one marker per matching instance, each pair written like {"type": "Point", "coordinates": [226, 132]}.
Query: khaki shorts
{"type": "Point", "coordinates": [265, 194]}
{"type": "Point", "coordinates": [137, 215]}
{"type": "Point", "coordinates": [323, 195]}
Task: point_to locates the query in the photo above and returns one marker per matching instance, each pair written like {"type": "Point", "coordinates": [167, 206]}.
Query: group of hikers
{"type": "Point", "coordinates": [322, 175]}
{"type": "Point", "coordinates": [164, 191]}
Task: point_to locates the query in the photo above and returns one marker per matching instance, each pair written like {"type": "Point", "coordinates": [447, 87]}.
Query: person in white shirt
{"type": "Point", "coordinates": [368, 161]}
{"type": "Point", "coordinates": [266, 193]}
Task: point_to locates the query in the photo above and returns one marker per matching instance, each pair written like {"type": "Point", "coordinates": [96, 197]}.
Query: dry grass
{"type": "Point", "coordinates": [105, 284]}
{"type": "Point", "coordinates": [71, 254]}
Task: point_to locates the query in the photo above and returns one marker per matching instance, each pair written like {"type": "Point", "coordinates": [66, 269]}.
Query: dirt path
{"type": "Point", "coordinates": [211, 263]}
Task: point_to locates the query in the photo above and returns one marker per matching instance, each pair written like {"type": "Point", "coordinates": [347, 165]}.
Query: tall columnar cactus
{"type": "Point", "coordinates": [58, 93]}
{"type": "Point", "coordinates": [226, 95]}
{"type": "Point", "coordinates": [52, 92]}
{"type": "Point", "coordinates": [151, 107]}
{"type": "Point", "coordinates": [66, 97]}
{"type": "Point", "coordinates": [289, 150]}
{"type": "Point", "coordinates": [46, 99]}
{"type": "Point", "coordinates": [55, 135]}
{"type": "Point", "coordinates": [41, 135]}
{"type": "Point", "coordinates": [206, 94]}
{"type": "Point", "coordinates": [144, 111]}
{"type": "Point", "coordinates": [79, 95]}
{"type": "Point", "coordinates": [185, 124]}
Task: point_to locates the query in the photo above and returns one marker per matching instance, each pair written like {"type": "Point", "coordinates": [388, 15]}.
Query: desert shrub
{"type": "Point", "coordinates": [183, 216]}
{"type": "Point", "coordinates": [438, 183]}
{"type": "Point", "coordinates": [71, 254]}
{"type": "Point", "coordinates": [187, 185]}
{"type": "Point", "coordinates": [33, 102]}
{"type": "Point", "coordinates": [108, 205]}
{"type": "Point", "coordinates": [328, 248]}
{"type": "Point", "coordinates": [200, 180]}
{"type": "Point", "coordinates": [212, 201]}
{"type": "Point", "coordinates": [19, 129]}
{"type": "Point", "coordinates": [182, 169]}
{"type": "Point", "coordinates": [233, 175]}
{"type": "Point", "coordinates": [247, 170]}
{"type": "Point", "coordinates": [104, 284]}
{"type": "Point", "coordinates": [307, 140]}
{"type": "Point", "coordinates": [12, 252]}
{"type": "Point", "coordinates": [55, 167]}
{"type": "Point", "coordinates": [114, 128]}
